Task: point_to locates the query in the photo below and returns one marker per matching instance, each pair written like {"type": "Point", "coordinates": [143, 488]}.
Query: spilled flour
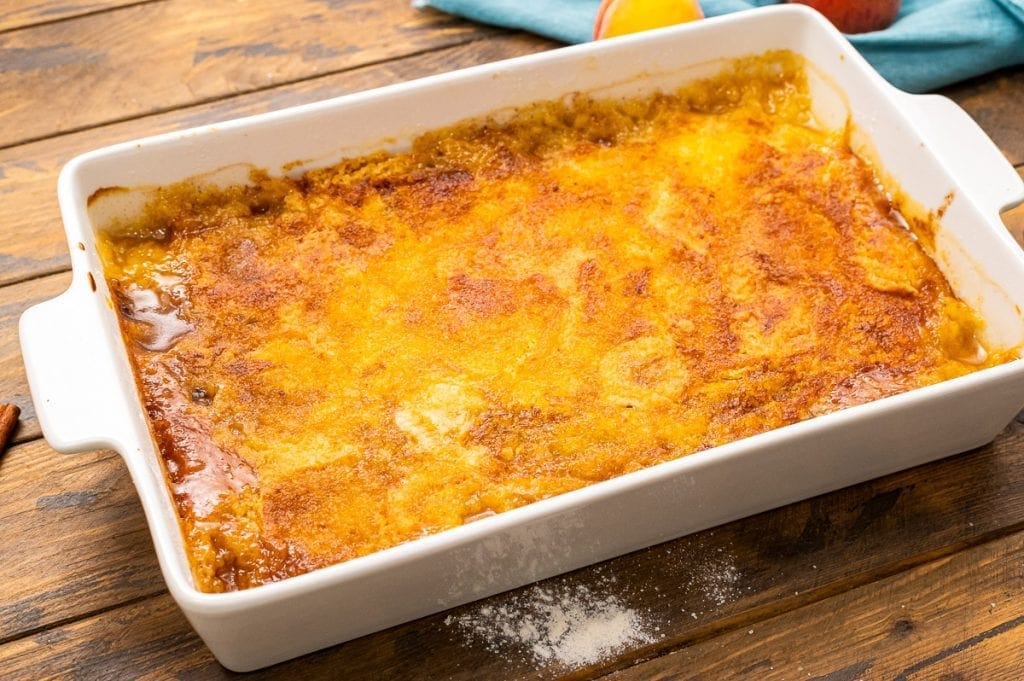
{"type": "Point", "coordinates": [568, 625]}
{"type": "Point", "coordinates": [562, 626]}
{"type": "Point", "coordinates": [715, 576]}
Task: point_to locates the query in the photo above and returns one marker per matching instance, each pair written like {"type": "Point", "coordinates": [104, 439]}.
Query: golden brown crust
{"type": "Point", "coordinates": [394, 346]}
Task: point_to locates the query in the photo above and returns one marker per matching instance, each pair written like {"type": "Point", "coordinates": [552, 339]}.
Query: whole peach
{"type": "Point", "coordinates": [856, 16]}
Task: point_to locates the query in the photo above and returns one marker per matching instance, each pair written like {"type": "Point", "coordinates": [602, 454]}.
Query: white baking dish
{"type": "Point", "coordinates": [86, 398]}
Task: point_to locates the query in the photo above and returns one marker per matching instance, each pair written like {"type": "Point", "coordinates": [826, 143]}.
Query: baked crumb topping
{"type": "Point", "coordinates": [340, 362]}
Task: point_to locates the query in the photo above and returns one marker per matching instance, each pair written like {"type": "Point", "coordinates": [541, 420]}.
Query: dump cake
{"type": "Point", "coordinates": [342, 361]}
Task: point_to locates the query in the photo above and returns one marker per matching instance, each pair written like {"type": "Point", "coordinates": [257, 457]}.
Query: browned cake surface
{"type": "Point", "coordinates": [339, 363]}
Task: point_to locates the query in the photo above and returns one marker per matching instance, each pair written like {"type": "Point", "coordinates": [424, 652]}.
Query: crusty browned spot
{"type": "Point", "coordinates": [426, 186]}
{"type": "Point", "coordinates": [590, 281]}
{"type": "Point", "coordinates": [313, 499]}
{"type": "Point", "coordinates": [763, 162]}
{"type": "Point", "coordinates": [358, 235]}
{"type": "Point", "coordinates": [637, 327]}
{"type": "Point", "coordinates": [638, 282]}
{"type": "Point", "coordinates": [440, 186]}
{"type": "Point", "coordinates": [509, 431]}
{"type": "Point", "coordinates": [480, 297]}
{"type": "Point", "coordinates": [247, 367]}
{"type": "Point", "coordinates": [774, 268]}
{"type": "Point", "coordinates": [351, 193]}
{"type": "Point", "coordinates": [772, 311]}
{"type": "Point", "coordinates": [504, 163]}
{"type": "Point", "coordinates": [869, 383]}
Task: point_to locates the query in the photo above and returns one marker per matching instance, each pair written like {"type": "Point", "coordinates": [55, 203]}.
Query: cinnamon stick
{"type": "Point", "coordinates": [8, 422]}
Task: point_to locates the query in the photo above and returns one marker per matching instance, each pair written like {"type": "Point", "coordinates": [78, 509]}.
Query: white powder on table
{"type": "Point", "coordinates": [569, 625]}
{"type": "Point", "coordinates": [716, 578]}
{"type": "Point", "coordinates": [576, 626]}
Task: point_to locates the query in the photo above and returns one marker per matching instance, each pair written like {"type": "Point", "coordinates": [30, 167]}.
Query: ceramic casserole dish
{"type": "Point", "coordinates": [86, 396]}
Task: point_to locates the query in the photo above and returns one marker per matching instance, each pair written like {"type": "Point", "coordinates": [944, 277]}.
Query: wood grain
{"type": "Point", "coordinates": [692, 589]}
{"type": "Point", "coordinates": [158, 56]}
{"type": "Point", "coordinates": [72, 535]}
{"type": "Point", "coordinates": [956, 618]}
{"type": "Point", "coordinates": [995, 102]}
{"type": "Point", "coordinates": [34, 242]}
{"type": "Point", "coordinates": [13, 384]}
{"type": "Point", "coordinates": [145, 640]}
{"type": "Point", "coordinates": [32, 12]}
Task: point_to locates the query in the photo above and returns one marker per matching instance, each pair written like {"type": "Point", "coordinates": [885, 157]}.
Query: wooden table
{"type": "Point", "coordinates": [917, 575]}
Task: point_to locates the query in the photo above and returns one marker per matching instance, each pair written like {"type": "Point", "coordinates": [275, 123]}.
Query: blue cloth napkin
{"type": "Point", "coordinates": [931, 44]}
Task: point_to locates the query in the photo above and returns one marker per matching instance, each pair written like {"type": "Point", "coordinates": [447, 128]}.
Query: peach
{"type": "Point", "coordinates": [856, 16]}
{"type": "Point", "coordinates": [619, 17]}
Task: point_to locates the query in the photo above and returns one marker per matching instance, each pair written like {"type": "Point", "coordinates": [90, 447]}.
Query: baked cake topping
{"type": "Point", "coordinates": [340, 362]}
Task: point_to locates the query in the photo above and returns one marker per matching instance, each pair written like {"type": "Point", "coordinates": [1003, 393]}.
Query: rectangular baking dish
{"type": "Point", "coordinates": [86, 397]}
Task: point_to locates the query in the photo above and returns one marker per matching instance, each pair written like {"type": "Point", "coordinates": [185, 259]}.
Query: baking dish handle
{"type": "Point", "coordinates": [70, 365]}
{"type": "Point", "coordinates": [966, 151]}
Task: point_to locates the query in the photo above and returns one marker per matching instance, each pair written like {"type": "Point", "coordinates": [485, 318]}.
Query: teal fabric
{"type": "Point", "coordinates": [931, 44]}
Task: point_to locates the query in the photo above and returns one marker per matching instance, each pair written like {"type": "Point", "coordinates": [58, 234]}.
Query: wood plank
{"type": "Point", "coordinates": [150, 640]}
{"type": "Point", "coordinates": [34, 243]}
{"type": "Point", "coordinates": [13, 384]}
{"type": "Point", "coordinates": [995, 101]}
{"type": "Point", "coordinates": [177, 52]}
{"type": "Point", "coordinates": [691, 589]}
{"type": "Point", "coordinates": [73, 75]}
{"type": "Point", "coordinates": [73, 538]}
{"type": "Point", "coordinates": [22, 14]}
{"type": "Point", "coordinates": [957, 618]}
